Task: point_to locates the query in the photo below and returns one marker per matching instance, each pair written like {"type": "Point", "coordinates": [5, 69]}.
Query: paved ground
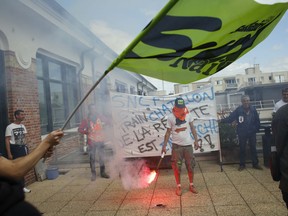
{"type": "Point", "coordinates": [250, 192]}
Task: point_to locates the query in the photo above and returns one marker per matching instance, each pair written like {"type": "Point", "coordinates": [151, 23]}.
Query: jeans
{"type": "Point", "coordinates": [251, 139]}
{"type": "Point", "coordinates": [19, 151]}
{"type": "Point", "coordinates": [96, 147]}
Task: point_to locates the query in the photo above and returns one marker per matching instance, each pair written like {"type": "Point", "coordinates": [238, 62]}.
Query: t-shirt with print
{"type": "Point", "coordinates": [17, 133]}
{"type": "Point", "coordinates": [181, 134]}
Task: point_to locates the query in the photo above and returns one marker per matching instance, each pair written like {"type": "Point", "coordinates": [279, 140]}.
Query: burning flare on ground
{"type": "Point", "coordinates": [151, 177]}
{"type": "Point", "coordinates": [153, 174]}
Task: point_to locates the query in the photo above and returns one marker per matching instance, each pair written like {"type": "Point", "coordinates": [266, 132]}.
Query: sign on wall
{"type": "Point", "coordinates": [140, 121]}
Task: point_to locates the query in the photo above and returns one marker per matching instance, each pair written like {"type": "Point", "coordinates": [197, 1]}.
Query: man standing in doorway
{"type": "Point", "coordinates": [15, 140]}
{"type": "Point", "coordinates": [248, 124]}
{"type": "Point", "coordinates": [93, 128]}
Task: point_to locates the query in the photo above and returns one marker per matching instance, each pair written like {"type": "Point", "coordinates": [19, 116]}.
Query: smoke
{"type": "Point", "coordinates": [133, 173]}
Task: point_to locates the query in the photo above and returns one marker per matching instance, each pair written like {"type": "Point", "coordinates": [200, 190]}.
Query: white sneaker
{"type": "Point", "coordinates": [26, 190]}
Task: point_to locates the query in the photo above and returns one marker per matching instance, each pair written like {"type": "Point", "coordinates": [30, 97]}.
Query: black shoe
{"type": "Point", "coordinates": [241, 168]}
{"type": "Point", "coordinates": [257, 167]}
{"type": "Point", "coordinates": [104, 175]}
{"type": "Point", "coordinates": [93, 177]}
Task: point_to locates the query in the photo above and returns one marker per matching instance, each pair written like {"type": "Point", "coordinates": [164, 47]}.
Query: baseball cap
{"type": "Point", "coordinates": [180, 103]}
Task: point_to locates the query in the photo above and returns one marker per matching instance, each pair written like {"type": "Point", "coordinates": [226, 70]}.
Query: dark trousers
{"type": "Point", "coordinates": [12, 201]}
{"type": "Point", "coordinates": [251, 139]}
{"type": "Point", "coordinates": [19, 151]}
{"type": "Point", "coordinates": [285, 197]}
{"type": "Point", "coordinates": [22, 208]}
{"type": "Point", "coordinates": [97, 148]}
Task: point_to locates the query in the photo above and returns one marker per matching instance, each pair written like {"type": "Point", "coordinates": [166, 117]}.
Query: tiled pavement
{"type": "Point", "coordinates": [250, 192]}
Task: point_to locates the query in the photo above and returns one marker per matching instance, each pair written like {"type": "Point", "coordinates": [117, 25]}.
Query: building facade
{"type": "Point", "coordinates": [48, 62]}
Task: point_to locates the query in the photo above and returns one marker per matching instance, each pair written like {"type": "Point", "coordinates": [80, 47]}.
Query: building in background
{"type": "Point", "coordinates": [264, 89]}
{"type": "Point", "coordinates": [48, 62]}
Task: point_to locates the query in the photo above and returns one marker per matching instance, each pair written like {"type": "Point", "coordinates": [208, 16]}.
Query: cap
{"type": "Point", "coordinates": [180, 103]}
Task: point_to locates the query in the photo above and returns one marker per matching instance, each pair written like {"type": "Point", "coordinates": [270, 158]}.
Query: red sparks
{"type": "Point", "coordinates": [151, 177]}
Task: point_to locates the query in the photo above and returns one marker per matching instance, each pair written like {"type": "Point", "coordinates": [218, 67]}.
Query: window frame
{"type": "Point", "coordinates": [66, 70]}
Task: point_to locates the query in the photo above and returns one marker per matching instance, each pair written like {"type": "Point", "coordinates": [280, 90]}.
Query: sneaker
{"type": "Point", "coordinates": [241, 168]}
{"type": "Point", "coordinates": [257, 167]}
{"type": "Point", "coordinates": [178, 191]}
{"type": "Point", "coordinates": [104, 175]}
{"type": "Point", "coordinates": [193, 189]}
{"type": "Point", "coordinates": [93, 177]}
{"type": "Point", "coordinates": [26, 190]}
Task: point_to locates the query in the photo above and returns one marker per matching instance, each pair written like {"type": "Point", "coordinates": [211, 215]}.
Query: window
{"type": "Point", "coordinates": [120, 87]}
{"type": "Point", "coordinates": [252, 80]}
{"type": "Point", "coordinates": [185, 89]}
{"type": "Point", "coordinates": [218, 82]}
{"type": "Point", "coordinates": [279, 79]}
{"type": "Point", "coordinates": [133, 90]}
{"type": "Point", "coordinates": [230, 81]}
{"type": "Point", "coordinates": [57, 89]}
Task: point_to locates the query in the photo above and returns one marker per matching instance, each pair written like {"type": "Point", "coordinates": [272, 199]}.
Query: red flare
{"type": "Point", "coordinates": [151, 177]}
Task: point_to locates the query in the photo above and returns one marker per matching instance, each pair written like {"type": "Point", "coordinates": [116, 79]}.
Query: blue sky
{"type": "Point", "coordinates": [117, 23]}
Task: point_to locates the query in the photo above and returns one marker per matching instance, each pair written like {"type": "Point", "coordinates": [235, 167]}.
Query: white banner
{"type": "Point", "coordinates": [140, 121]}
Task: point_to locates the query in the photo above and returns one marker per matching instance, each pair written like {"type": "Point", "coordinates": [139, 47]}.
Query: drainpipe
{"type": "Point", "coordinates": [142, 83]}
{"type": "Point", "coordinates": [138, 86]}
{"type": "Point", "coordinates": [82, 66]}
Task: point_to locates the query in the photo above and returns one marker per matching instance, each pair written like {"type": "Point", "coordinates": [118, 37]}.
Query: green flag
{"type": "Point", "coordinates": [191, 39]}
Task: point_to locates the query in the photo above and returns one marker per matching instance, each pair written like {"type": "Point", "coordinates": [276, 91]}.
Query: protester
{"type": "Point", "coordinates": [92, 126]}
{"type": "Point", "coordinates": [248, 124]}
{"type": "Point", "coordinates": [12, 201]}
{"type": "Point", "coordinates": [280, 133]}
{"type": "Point", "coordinates": [281, 102]}
{"type": "Point", "coordinates": [15, 140]}
{"type": "Point", "coordinates": [180, 125]}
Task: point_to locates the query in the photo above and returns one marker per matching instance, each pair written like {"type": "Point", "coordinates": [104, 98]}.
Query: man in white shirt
{"type": "Point", "coordinates": [281, 102]}
{"type": "Point", "coordinates": [15, 140]}
{"type": "Point", "coordinates": [180, 125]}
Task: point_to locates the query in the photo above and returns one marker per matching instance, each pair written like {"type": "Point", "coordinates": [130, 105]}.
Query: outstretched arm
{"type": "Point", "coordinates": [18, 168]}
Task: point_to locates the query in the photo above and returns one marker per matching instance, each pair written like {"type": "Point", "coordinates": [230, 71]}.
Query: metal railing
{"type": "Point", "coordinates": [265, 104]}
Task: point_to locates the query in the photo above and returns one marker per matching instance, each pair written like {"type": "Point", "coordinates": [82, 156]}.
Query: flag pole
{"type": "Point", "coordinates": [83, 99]}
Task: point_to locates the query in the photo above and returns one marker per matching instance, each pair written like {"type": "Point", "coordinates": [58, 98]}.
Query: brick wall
{"type": "Point", "coordinates": [22, 93]}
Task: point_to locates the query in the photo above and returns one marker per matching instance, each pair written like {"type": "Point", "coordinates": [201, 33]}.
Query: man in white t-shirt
{"type": "Point", "coordinates": [15, 140]}
{"type": "Point", "coordinates": [180, 125]}
{"type": "Point", "coordinates": [281, 102]}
